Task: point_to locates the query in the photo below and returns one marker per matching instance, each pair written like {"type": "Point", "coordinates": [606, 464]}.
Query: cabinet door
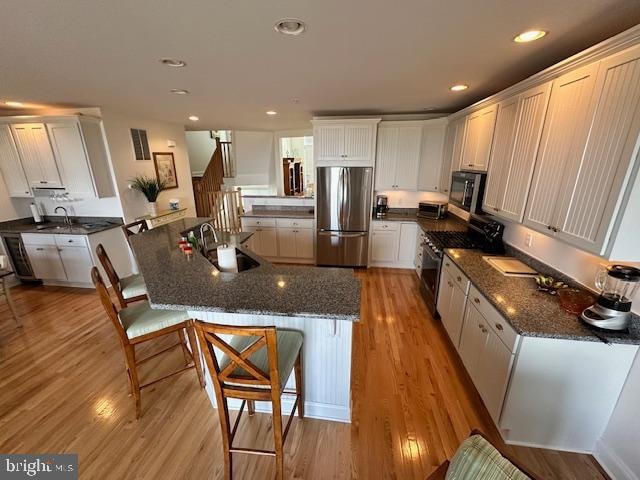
{"type": "Point", "coordinates": [386, 158]}
{"type": "Point", "coordinates": [45, 261]}
{"type": "Point", "coordinates": [407, 243]}
{"type": "Point", "coordinates": [445, 290]}
{"type": "Point", "coordinates": [286, 242]}
{"type": "Point", "coordinates": [36, 154]}
{"type": "Point", "coordinates": [447, 158]}
{"type": "Point", "coordinates": [460, 131]}
{"type": "Point", "coordinates": [358, 143]}
{"type": "Point", "coordinates": [493, 372]}
{"type": "Point", "coordinates": [10, 166]}
{"type": "Point", "coordinates": [485, 137]}
{"type": "Point", "coordinates": [566, 127]}
{"type": "Point", "coordinates": [455, 317]}
{"type": "Point", "coordinates": [595, 178]}
{"type": "Point", "coordinates": [77, 263]}
{"type": "Point", "coordinates": [304, 243]}
{"type": "Point", "coordinates": [503, 141]}
{"type": "Point", "coordinates": [384, 246]}
{"type": "Point", "coordinates": [470, 144]}
{"type": "Point", "coordinates": [268, 242]}
{"type": "Point", "coordinates": [253, 243]}
{"type": "Point", "coordinates": [408, 157]}
{"type": "Point", "coordinates": [71, 157]}
{"type": "Point", "coordinates": [472, 340]}
{"type": "Point", "coordinates": [532, 107]}
{"type": "Point", "coordinates": [431, 158]}
{"type": "Point", "coordinates": [328, 143]}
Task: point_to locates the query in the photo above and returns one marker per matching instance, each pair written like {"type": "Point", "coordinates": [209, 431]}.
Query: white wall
{"type": "Point", "coordinates": [407, 199]}
{"type": "Point", "coordinates": [200, 146]}
{"type": "Point", "coordinates": [254, 158]}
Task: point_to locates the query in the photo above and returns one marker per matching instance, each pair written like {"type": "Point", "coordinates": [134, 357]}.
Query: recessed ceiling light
{"type": "Point", "coordinates": [14, 104]}
{"type": "Point", "coordinates": [290, 26]}
{"type": "Point", "coordinates": [180, 91]}
{"type": "Point", "coordinates": [459, 87]}
{"type": "Point", "coordinates": [272, 112]}
{"type": "Point", "coordinates": [193, 118]}
{"type": "Point", "coordinates": [173, 62]}
{"type": "Point", "coordinates": [529, 36]}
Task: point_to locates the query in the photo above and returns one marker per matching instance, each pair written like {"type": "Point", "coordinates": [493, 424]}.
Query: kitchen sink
{"type": "Point", "coordinates": [53, 227]}
{"type": "Point", "coordinates": [245, 262]}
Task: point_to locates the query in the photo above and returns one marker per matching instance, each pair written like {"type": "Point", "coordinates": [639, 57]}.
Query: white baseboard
{"type": "Point", "coordinates": [403, 266]}
{"type": "Point", "coordinates": [56, 283]}
{"type": "Point", "coordinates": [563, 448]}
{"type": "Point", "coordinates": [612, 463]}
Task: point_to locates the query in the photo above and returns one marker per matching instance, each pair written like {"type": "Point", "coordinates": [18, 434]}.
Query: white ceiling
{"type": "Point", "coordinates": [358, 56]}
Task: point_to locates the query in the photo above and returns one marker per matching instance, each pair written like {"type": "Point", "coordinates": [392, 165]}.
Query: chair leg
{"type": "Point", "coordinates": [195, 351]}
{"type": "Point", "coordinates": [277, 436]}
{"type": "Point", "coordinates": [12, 308]}
{"type": "Point", "coordinates": [251, 404]}
{"type": "Point", "coordinates": [130, 353]}
{"type": "Point", "coordinates": [299, 384]}
{"type": "Point", "coordinates": [185, 350]}
{"type": "Point", "coordinates": [225, 429]}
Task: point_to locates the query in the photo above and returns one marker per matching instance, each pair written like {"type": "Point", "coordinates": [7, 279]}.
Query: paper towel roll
{"type": "Point", "coordinates": [36, 214]}
{"type": "Point", "coordinates": [227, 260]}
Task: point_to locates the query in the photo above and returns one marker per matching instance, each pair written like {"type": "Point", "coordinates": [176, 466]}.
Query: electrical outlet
{"type": "Point", "coordinates": [528, 240]}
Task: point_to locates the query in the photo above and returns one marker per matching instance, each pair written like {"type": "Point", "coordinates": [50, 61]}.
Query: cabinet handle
{"type": "Point", "coordinates": [477, 300]}
{"type": "Point", "coordinates": [446, 190]}
{"type": "Point", "coordinates": [499, 326]}
{"type": "Point", "coordinates": [70, 241]}
{"type": "Point", "coordinates": [480, 326]}
{"type": "Point", "coordinates": [42, 181]}
{"type": "Point", "coordinates": [447, 264]}
{"type": "Point", "coordinates": [26, 192]}
{"type": "Point", "coordinates": [459, 278]}
{"type": "Point", "coordinates": [39, 249]}
{"type": "Point", "coordinates": [450, 284]}
{"type": "Point", "coordinates": [469, 164]}
{"type": "Point", "coordinates": [484, 330]}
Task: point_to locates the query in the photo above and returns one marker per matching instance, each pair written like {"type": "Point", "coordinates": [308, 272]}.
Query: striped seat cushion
{"type": "Point", "coordinates": [132, 286]}
{"type": "Point", "coordinates": [139, 319]}
{"type": "Point", "coordinates": [478, 459]}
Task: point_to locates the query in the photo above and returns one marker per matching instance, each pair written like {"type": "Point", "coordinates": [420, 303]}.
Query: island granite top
{"type": "Point", "coordinates": [54, 224]}
{"type": "Point", "coordinates": [176, 282]}
{"type": "Point", "coordinates": [281, 213]}
{"type": "Point", "coordinates": [532, 313]}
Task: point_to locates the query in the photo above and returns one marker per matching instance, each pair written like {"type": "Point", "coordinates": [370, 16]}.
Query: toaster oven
{"type": "Point", "coordinates": [434, 210]}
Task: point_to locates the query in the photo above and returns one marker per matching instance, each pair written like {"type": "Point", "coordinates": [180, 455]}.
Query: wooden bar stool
{"type": "Point", "coordinates": [254, 366]}
{"type": "Point", "coordinates": [133, 228]}
{"type": "Point", "coordinates": [140, 323]}
{"type": "Point", "coordinates": [128, 289]}
{"type": "Point", "coordinates": [6, 293]}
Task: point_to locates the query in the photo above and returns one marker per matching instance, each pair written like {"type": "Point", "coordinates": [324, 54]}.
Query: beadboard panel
{"type": "Point", "coordinates": [326, 362]}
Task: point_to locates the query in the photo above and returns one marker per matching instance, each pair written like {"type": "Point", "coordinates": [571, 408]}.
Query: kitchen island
{"type": "Point", "coordinates": [322, 303]}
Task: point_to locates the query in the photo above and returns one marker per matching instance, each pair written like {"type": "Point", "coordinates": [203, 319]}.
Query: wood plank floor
{"type": "Point", "coordinates": [63, 389]}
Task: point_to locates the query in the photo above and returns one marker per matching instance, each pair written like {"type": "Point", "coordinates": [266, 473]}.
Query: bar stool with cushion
{"type": "Point", "coordinates": [133, 228]}
{"type": "Point", "coordinates": [254, 365]}
{"type": "Point", "coordinates": [128, 289]}
{"type": "Point", "coordinates": [140, 323]}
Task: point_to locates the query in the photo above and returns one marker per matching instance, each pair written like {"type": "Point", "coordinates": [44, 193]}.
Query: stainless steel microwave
{"type": "Point", "coordinates": [433, 210]}
{"type": "Point", "coordinates": [467, 190]}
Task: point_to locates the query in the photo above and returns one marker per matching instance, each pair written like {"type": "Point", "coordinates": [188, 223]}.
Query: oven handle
{"type": "Point", "coordinates": [464, 192]}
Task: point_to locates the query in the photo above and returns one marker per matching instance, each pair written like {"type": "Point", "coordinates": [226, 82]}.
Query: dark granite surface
{"type": "Point", "coordinates": [176, 282]}
{"type": "Point", "coordinates": [450, 222]}
{"type": "Point", "coordinates": [280, 212]}
{"type": "Point", "coordinates": [531, 312]}
{"type": "Point", "coordinates": [55, 225]}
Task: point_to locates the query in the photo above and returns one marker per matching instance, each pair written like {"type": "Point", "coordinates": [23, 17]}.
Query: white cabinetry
{"type": "Point", "coordinates": [344, 141]}
{"type": "Point", "coordinates": [36, 154]}
{"type": "Point", "coordinates": [398, 155]}
{"type": "Point", "coordinates": [477, 140]}
{"type": "Point", "coordinates": [515, 145]}
{"type": "Point", "coordinates": [45, 261]}
{"type": "Point", "coordinates": [431, 155]}
{"type": "Point", "coordinates": [10, 166]}
{"type": "Point", "coordinates": [285, 239]}
{"type": "Point", "coordinates": [393, 244]}
{"type": "Point", "coordinates": [452, 151]}
{"type": "Point", "coordinates": [451, 305]}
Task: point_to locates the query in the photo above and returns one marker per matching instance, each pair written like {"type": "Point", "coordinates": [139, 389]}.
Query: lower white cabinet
{"type": "Point", "coordinates": [264, 241]}
{"type": "Point", "coordinates": [393, 244]}
{"type": "Point", "coordinates": [46, 262]}
{"type": "Point", "coordinates": [451, 306]}
{"type": "Point", "coordinates": [59, 258]}
{"type": "Point", "coordinates": [285, 239]}
{"type": "Point", "coordinates": [384, 246]}
{"type": "Point", "coordinates": [296, 243]}
{"type": "Point", "coordinates": [77, 263]}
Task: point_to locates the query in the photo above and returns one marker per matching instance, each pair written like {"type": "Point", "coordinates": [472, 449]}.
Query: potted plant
{"type": "Point", "coordinates": [150, 188]}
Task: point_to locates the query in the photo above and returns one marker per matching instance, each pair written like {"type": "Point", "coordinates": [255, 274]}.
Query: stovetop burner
{"type": "Point", "coordinates": [449, 239]}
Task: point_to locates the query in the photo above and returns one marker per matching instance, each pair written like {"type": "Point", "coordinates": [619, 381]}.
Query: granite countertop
{"type": "Point", "coordinates": [532, 313]}
{"type": "Point", "coordinates": [449, 223]}
{"type": "Point", "coordinates": [161, 213]}
{"type": "Point", "coordinates": [280, 213]}
{"type": "Point", "coordinates": [56, 225]}
{"type": "Point", "coordinates": [176, 282]}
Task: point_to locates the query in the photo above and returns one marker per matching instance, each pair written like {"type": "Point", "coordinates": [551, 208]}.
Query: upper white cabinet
{"type": "Point", "coordinates": [477, 139]}
{"type": "Point", "coordinates": [583, 175]}
{"type": "Point", "coordinates": [36, 154]}
{"type": "Point", "coordinates": [10, 166]}
{"type": "Point", "coordinates": [345, 141]}
{"type": "Point", "coordinates": [515, 145]}
{"type": "Point", "coordinates": [452, 151]}
{"type": "Point", "coordinates": [431, 155]}
{"type": "Point", "coordinates": [398, 155]}
{"type": "Point", "coordinates": [60, 152]}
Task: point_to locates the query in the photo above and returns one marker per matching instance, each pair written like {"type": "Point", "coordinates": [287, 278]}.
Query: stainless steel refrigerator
{"type": "Point", "coordinates": [343, 215]}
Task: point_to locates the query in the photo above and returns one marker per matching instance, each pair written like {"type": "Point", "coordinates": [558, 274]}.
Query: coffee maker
{"type": "Point", "coordinates": [617, 284]}
{"type": "Point", "coordinates": [382, 205]}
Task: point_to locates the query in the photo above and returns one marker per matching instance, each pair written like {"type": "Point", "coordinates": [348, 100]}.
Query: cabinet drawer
{"type": "Point", "coordinates": [71, 240]}
{"type": "Point", "coordinates": [498, 324]}
{"type": "Point", "coordinates": [38, 239]}
{"type": "Point", "coordinates": [258, 222]}
{"type": "Point", "coordinates": [385, 226]}
{"type": "Point", "coordinates": [458, 277]}
{"type": "Point", "coordinates": [294, 222]}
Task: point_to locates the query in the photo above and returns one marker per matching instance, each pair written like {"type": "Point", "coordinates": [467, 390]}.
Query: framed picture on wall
{"type": "Point", "coordinates": [166, 168]}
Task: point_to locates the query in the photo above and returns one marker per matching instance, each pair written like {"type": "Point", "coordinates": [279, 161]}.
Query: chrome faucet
{"type": "Point", "coordinates": [203, 242]}
{"type": "Point", "coordinates": [67, 220]}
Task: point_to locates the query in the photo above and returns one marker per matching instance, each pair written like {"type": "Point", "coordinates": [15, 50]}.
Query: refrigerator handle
{"type": "Point", "coordinates": [343, 198]}
{"type": "Point", "coordinates": [327, 233]}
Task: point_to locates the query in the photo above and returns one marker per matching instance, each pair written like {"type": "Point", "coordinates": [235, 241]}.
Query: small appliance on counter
{"type": "Point", "coordinates": [382, 206]}
{"type": "Point", "coordinates": [434, 210]}
{"type": "Point", "coordinates": [467, 190]}
{"type": "Point", "coordinates": [617, 284]}
{"type": "Point", "coordinates": [486, 233]}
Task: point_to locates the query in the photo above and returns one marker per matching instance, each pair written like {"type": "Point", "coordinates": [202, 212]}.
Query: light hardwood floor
{"type": "Point", "coordinates": [63, 388]}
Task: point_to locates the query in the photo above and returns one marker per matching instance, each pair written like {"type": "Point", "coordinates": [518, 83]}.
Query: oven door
{"type": "Point", "coordinates": [430, 277]}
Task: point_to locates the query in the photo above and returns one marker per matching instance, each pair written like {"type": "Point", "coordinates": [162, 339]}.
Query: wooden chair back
{"type": "Point", "coordinates": [133, 228]}
{"type": "Point", "coordinates": [112, 275]}
{"type": "Point", "coordinates": [108, 305]}
{"type": "Point", "coordinates": [251, 378]}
